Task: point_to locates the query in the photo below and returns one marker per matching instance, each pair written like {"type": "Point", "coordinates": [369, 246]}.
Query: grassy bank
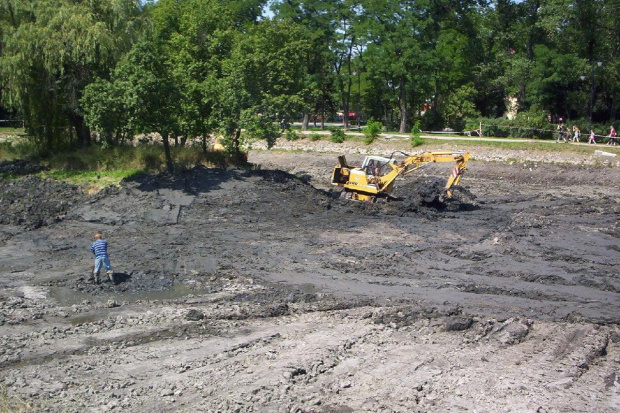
{"type": "Point", "coordinates": [538, 146]}
{"type": "Point", "coordinates": [96, 166]}
{"type": "Point", "coordinates": [501, 143]}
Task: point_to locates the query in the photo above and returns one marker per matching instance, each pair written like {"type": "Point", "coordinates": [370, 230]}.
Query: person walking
{"type": "Point", "coordinates": [592, 140]}
{"type": "Point", "coordinates": [612, 136]}
{"type": "Point", "coordinates": [561, 130]}
{"type": "Point", "coordinates": [576, 133]}
{"type": "Point", "coordinates": [102, 259]}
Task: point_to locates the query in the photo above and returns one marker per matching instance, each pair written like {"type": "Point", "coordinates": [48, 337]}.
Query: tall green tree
{"type": "Point", "coordinates": [142, 90]}
{"type": "Point", "coordinates": [52, 49]}
{"type": "Point", "coordinates": [197, 36]}
{"type": "Point", "coordinates": [314, 17]}
{"type": "Point", "coordinates": [398, 50]}
{"type": "Point", "coordinates": [263, 81]}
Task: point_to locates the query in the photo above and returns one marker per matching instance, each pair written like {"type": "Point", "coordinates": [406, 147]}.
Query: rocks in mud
{"type": "Point", "coordinates": [429, 192]}
{"type": "Point", "coordinates": [112, 304]}
{"type": "Point", "coordinates": [511, 331]}
{"type": "Point", "coordinates": [458, 323]}
{"type": "Point", "coordinates": [194, 315]}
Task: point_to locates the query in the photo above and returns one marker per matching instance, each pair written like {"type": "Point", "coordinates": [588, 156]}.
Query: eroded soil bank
{"type": "Point", "coordinates": [262, 291]}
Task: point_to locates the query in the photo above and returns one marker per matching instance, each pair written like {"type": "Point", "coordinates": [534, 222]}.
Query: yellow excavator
{"type": "Point", "coordinates": [374, 180]}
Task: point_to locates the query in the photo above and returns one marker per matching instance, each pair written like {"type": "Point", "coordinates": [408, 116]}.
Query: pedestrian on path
{"type": "Point", "coordinates": [576, 133]}
{"type": "Point", "coordinates": [100, 249]}
{"type": "Point", "coordinates": [612, 136]}
{"type": "Point", "coordinates": [561, 133]}
{"type": "Point", "coordinates": [592, 140]}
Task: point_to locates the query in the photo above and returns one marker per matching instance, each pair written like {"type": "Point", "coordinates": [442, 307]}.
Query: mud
{"type": "Point", "coordinates": [261, 290]}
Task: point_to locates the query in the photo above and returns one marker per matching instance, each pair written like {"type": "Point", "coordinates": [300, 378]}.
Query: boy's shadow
{"type": "Point", "coordinates": [121, 277]}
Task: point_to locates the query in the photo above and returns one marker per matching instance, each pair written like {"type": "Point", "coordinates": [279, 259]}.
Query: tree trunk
{"type": "Point", "coordinates": [169, 163]}
{"type": "Point", "coordinates": [403, 107]}
{"type": "Point", "coordinates": [204, 144]}
{"type": "Point", "coordinates": [82, 132]}
{"type": "Point", "coordinates": [240, 157]}
{"type": "Point", "coordinates": [306, 121]}
{"type": "Point", "coordinates": [70, 134]}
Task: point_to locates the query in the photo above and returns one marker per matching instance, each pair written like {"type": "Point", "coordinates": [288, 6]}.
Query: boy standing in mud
{"type": "Point", "coordinates": [100, 249]}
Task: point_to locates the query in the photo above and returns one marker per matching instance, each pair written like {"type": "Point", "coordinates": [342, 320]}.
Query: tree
{"type": "Point", "coordinates": [51, 49]}
{"type": "Point", "coordinates": [398, 50]}
{"type": "Point", "coordinates": [142, 89]}
{"type": "Point", "coordinates": [197, 36]}
{"type": "Point", "coordinates": [314, 19]}
{"type": "Point", "coordinates": [263, 81]}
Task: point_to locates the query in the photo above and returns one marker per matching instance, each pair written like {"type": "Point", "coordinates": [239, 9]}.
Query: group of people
{"type": "Point", "coordinates": [564, 135]}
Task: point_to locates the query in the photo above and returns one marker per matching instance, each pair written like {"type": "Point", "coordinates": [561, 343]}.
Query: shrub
{"type": "Point", "coordinates": [532, 124]}
{"type": "Point", "coordinates": [338, 136]}
{"type": "Point", "coordinates": [290, 135]}
{"type": "Point", "coordinates": [416, 140]}
{"type": "Point", "coordinates": [371, 131]}
{"type": "Point", "coordinates": [152, 161]}
{"type": "Point", "coordinates": [314, 137]}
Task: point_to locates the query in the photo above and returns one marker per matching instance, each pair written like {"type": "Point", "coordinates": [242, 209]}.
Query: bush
{"type": "Point", "coordinates": [152, 161]}
{"type": "Point", "coordinates": [432, 120]}
{"type": "Point", "coordinates": [416, 141]}
{"type": "Point", "coordinates": [338, 136]}
{"type": "Point", "coordinates": [290, 135]}
{"type": "Point", "coordinates": [371, 131]}
{"type": "Point", "coordinates": [314, 137]}
{"type": "Point", "coordinates": [532, 124]}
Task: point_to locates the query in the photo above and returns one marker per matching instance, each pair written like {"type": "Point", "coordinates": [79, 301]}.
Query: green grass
{"type": "Point", "coordinates": [11, 131]}
{"type": "Point", "coordinates": [541, 146]}
{"type": "Point", "coordinates": [92, 181]}
{"type": "Point", "coordinates": [96, 167]}
{"type": "Point", "coordinates": [311, 127]}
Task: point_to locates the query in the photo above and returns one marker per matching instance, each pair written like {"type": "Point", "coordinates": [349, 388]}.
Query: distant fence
{"type": "Point", "coordinates": [19, 122]}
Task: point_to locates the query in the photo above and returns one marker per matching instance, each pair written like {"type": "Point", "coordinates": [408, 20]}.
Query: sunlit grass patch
{"type": "Point", "coordinates": [92, 181]}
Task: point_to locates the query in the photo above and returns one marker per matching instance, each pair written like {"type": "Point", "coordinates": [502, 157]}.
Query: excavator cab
{"type": "Point", "coordinates": [374, 165]}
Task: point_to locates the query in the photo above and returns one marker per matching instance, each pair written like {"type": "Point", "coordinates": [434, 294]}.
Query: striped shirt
{"type": "Point", "coordinates": [100, 248]}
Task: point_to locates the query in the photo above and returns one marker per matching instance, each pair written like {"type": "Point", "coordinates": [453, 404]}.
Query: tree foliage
{"type": "Point", "coordinates": [197, 68]}
{"type": "Point", "coordinates": [52, 49]}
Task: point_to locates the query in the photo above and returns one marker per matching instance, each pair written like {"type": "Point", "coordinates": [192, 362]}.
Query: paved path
{"type": "Point", "coordinates": [397, 136]}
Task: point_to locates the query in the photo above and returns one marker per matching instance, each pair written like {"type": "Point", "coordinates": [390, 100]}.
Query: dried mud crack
{"type": "Point", "coordinates": [262, 291]}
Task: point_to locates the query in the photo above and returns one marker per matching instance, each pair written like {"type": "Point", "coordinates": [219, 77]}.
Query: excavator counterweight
{"type": "Point", "coordinates": [374, 179]}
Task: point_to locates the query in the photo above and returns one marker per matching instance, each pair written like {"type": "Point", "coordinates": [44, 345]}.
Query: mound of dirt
{"type": "Point", "coordinates": [20, 167]}
{"type": "Point", "coordinates": [33, 202]}
{"type": "Point", "coordinates": [424, 196]}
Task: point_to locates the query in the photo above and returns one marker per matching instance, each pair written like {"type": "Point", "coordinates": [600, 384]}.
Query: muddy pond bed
{"type": "Point", "coordinates": [260, 290]}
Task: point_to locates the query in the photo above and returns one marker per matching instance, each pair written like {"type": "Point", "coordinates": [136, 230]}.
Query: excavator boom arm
{"type": "Point", "coordinates": [414, 162]}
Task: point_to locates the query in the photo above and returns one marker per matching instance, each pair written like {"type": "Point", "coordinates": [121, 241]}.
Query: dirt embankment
{"type": "Point", "coordinates": [263, 291]}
